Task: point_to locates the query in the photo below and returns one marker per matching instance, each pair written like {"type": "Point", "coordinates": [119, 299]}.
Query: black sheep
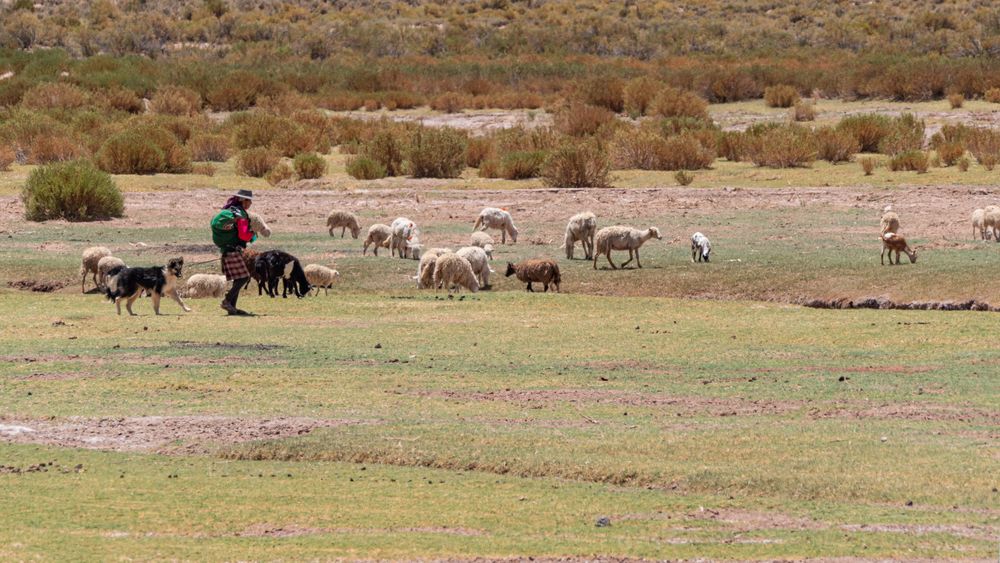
{"type": "Point", "coordinates": [274, 264]}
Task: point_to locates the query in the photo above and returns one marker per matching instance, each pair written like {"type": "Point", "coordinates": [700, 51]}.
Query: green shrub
{"type": "Point", "coordinates": [868, 129]}
{"type": "Point", "coordinates": [143, 149]}
{"type": "Point", "coordinates": [365, 168]}
{"type": "Point", "coordinates": [906, 133]}
{"type": "Point", "coordinates": [781, 96]}
{"type": "Point", "coordinates": [258, 129]}
{"type": "Point", "coordinates": [683, 178]}
{"type": "Point", "coordinates": [437, 153]}
{"type": "Point", "coordinates": [279, 173]}
{"type": "Point", "coordinates": [984, 144]}
{"type": "Point", "coordinates": [256, 162]}
{"type": "Point", "coordinates": [578, 165]}
{"type": "Point", "coordinates": [75, 191]}
{"type": "Point", "coordinates": [309, 165]}
{"type": "Point", "coordinates": [520, 165]}
{"type": "Point", "coordinates": [674, 102]}
{"type": "Point", "coordinates": [835, 146]}
{"type": "Point", "coordinates": [386, 149]}
{"type": "Point", "coordinates": [783, 147]}
{"type": "Point", "coordinates": [910, 161]}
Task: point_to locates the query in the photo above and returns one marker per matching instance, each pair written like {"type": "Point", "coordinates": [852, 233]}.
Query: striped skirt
{"type": "Point", "coordinates": [234, 266]}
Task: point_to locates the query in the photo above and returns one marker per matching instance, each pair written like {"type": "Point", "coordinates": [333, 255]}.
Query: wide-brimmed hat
{"type": "Point", "coordinates": [245, 194]}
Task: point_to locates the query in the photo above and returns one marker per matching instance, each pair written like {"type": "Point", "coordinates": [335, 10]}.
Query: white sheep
{"type": "Point", "coordinates": [581, 227]}
{"type": "Point", "coordinates": [889, 222]}
{"type": "Point", "coordinates": [620, 237]}
{"type": "Point", "coordinates": [201, 286]}
{"type": "Point", "coordinates": [425, 269]}
{"type": "Point", "coordinates": [345, 220]}
{"type": "Point", "coordinates": [379, 235]}
{"type": "Point", "coordinates": [484, 241]}
{"type": "Point", "coordinates": [991, 221]}
{"type": "Point", "coordinates": [105, 265]}
{"type": "Point", "coordinates": [91, 257]}
{"type": "Point", "coordinates": [701, 247]}
{"type": "Point", "coordinates": [978, 224]}
{"type": "Point", "coordinates": [452, 270]}
{"type": "Point", "coordinates": [320, 277]}
{"type": "Point", "coordinates": [494, 218]}
{"type": "Point", "coordinates": [258, 225]}
{"type": "Point", "coordinates": [480, 263]}
{"type": "Point", "coordinates": [403, 230]}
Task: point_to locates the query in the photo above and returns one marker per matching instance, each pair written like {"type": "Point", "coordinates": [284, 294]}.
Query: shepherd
{"type": "Point", "coordinates": [231, 232]}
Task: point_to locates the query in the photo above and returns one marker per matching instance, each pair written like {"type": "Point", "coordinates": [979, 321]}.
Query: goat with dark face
{"type": "Point", "coordinates": [274, 264]}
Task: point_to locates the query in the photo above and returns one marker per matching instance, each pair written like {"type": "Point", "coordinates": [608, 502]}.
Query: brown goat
{"type": "Point", "coordinates": [895, 243]}
{"type": "Point", "coordinates": [541, 270]}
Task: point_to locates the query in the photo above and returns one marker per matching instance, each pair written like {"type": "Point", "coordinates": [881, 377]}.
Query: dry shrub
{"type": "Point", "coordinates": [868, 164]}
{"type": "Point", "coordinates": [514, 100]}
{"type": "Point", "coordinates": [340, 101]}
{"type": "Point", "coordinates": [7, 158]}
{"type": "Point", "coordinates": [76, 191]}
{"type": "Point", "coordinates": [607, 92]}
{"type": "Point", "coordinates": [906, 133]}
{"type": "Point", "coordinates": [235, 92]}
{"type": "Point", "coordinates": [520, 165]}
{"type": "Point", "coordinates": [256, 162]}
{"type": "Point", "coordinates": [636, 148]}
{"type": "Point", "coordinates": [365, 168]}
{"type": "Point", "coordinates": [804, 111]}
{"type": "Point", "coordinates": [781, 96]}
{"type": "Point", "coordinates": [401, 100]}
{"type": "Point", "coordinates": [868, 129]}
{"type": "Point", "coordinates": [989, 161]}
{"type": "Point", "coordinates": [143, 149]}
{"type": "Point", "coordinates": [284, 103]}
{"type": "Point", "coordinates": [54, 95]}
{"type": "Point", "coordinates": [984, 144]}
{"type": "Point", "coordinates": [963, 164]}
{"type": "Point", "coordinates": [786, 146]}
{"type": "Point", "coordinates": [674, 102]}
{"type": "Point", "coordinates": [279, 173]}
{"type": "Point", "coordinates": [950, 152]}
{"type": "Point", "coordinates": [386, 148]}
{"type": "Point", "coordinates": [683, 178]}
{"type": "Point", "coordinates": [639, 94]}
{"type": "Point", "coordinates": [122, 99]}
{"type": "Point", "coordinates": [477, 150]}
{"type": "Point", "coordinates": [734, 146]}
{"type": "Point", "coordinates": [956, 100]}
{"type": "Point", "coordinates": [834, 145]}
{"type": "Point", "coordinates": [372, 104]}
{"type": "Point", "coordinates": [578, 164]}
{"type": "Point", "coordinates": [210, 148]}
{"type": "Point", "coordinates": [46, 149]}
{"type": "Point", "coordinates": [477, 86]}
{"type": "Point", "coordinates": [910, 161]}
{"type": "Point", "coordinates": [935, 161]}
{"type": "Point", "coordinates": [176, 100]}
{"type": "Point", "coordinates": [992, 95]}
{"type": "Point", "coordinates": [684, 152]}
{"type": "Point", "coordinates": [451, 102]}
{"type": "Point", "coordinates": [257, 129]}
{"type": "Point", "coordinates": [490, 168]}
{"type": "Point", "coordinates": [578, 120]}
{"type": "Point", "coordinates": [203, 169]}
{"type": "Point", "coordinates": [437, 153]}
{"type": "Point", "coordinates": [309, 165]}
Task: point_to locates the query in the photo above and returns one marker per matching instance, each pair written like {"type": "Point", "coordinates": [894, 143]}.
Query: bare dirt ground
{"type": "Point", "coordinates": [183, 435]}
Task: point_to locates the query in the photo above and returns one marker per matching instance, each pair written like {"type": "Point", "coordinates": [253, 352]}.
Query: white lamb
{"type": "Point", "coordinates": [345, 220]}
{"type": "Point", "coordinates": [425, 270]}
{"type": "Point", "coordinates": [480, 263]}
{"type": "Point", "coordinates": [581, 227]}
{"type": "Point", "coordinates": [979, 224]}
{"type": "Point", "coordinates": [403, 230]}
{"type": "Point", "coordinates": [379, 235]}
{"type": "Point", "coordinates": [991, 221]}
{"type": "Point", "coordinates": [701, 247]}
{"type": "Point", "coordinates": [320, 277]}
{"type": "Point", "coordinates": [494, 218]}
{"type": "Point", "coordinates": [203, 286]}
{"type": "Point", "coordinates": [452, 270]}
{"type": "Point", "coordinates": [258, 225]}
{"type": "Point", "coordinates": [91, 257]}
{"type": "Point", "coordinates": [105, 265]}
{"type": "Point", "coordinates": [622, 238]}
{"type": "Point", "coordinates": [484, 241]}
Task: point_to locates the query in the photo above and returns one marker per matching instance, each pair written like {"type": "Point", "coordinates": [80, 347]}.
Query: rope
{"type": "Point", "coordinates": [205, 262]}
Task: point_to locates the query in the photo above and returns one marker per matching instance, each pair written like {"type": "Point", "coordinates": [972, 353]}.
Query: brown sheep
{"type": "Point", "coordinates": [893, 242]}
{"type": "Point", "coordinates": [541, 270]}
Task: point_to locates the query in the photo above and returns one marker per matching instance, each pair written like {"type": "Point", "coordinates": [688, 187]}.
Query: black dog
{"type": "Point", "coordinates": [274, 264]}
{"type": "Point", "coordinates": [128, 283]}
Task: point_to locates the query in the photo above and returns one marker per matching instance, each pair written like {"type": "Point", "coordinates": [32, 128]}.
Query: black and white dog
{"type": "Point", "coordinates": [274, 264]}
{"type": "Point", "coordinates": [128, 283]}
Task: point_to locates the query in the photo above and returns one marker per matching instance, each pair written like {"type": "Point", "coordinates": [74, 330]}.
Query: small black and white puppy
{"type": "Point", "coordinates": [128, 283]}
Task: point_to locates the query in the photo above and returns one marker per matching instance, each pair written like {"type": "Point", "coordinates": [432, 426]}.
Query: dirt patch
{"type": "Point", "coordinates": [224, 345]}
{"type": "Point", "coordinates": [908, 412]}
{"type": "Point", "coordinates": [883, 303]}
{"type": "Point", "coordinates": [161, 434]}
{"type": "Point", "coordinates": [983, 533]}
{"type": "Point", "coordinates": [39, 286]}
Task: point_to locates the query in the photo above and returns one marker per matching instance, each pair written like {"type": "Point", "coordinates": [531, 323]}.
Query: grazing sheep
{"type": "Point", "coordinates": [274, 264]}
{"type": "Point", "coordinates": [481, 239]}
{"type": "Point", "coordinates": [91, 257]}
{"type": "Point", "coordinates": [378, 235]}
{"type": "Point", "coordinates": [979, 224]}
{"type": "Point", "coordinates": [893, 242]}
{"type": "Point", "coordinates": [345, 220]}
{"type": "Point", "coordinates": [622, 238]}
{"type": "Point", "coordinates": [105, 265]}
{"type": "Point", "coordinates": [425, 270]}
{"type": "Point", "coordinates": [258, 225]}
{"type": "Point", "coordinates": [480, 263]}
{"type": "Point", "coordinates": [889, 222]}
{"type": "Point", "coordinates": [541, 270]}
{"type": "Point", "coordinates": [451, 270]}
{"type": "Point", "coordinates": [402, 230]}
{"type": "Point", "coordinates": [991, 221]}
{"type": "Point", "coordinates": [320, 277]}
{"type": "Point", "coordinates": [201, 286]}
{"type": "Point", "coordinates": [581, 227]}
{"type": "Point", "coordinates": [412, 248]}
{"type": "Point", "coordinates": [494, 218]}
{"type": "Point", "coordinates": [701, 247]}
